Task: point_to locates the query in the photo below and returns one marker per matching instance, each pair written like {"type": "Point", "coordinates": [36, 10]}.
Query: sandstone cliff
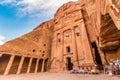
{"type": "Point", "coordinates": [110, 39]}
{"type": "Point", "coordinates": [39, 40]}
{"type": "Point", "coordinates": [35, 42]}
{"type": "Point", "coordinates": [110, 35]}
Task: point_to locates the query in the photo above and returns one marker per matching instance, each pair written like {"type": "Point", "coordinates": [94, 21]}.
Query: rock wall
{"type": "Point", "coordinates": [29, 53]}
{"type": "Point", "coordinates": [110, 38]}
{"type": "Point", "coordinates": [79, 31]}
{"type": "Point", "coordinates": [34, 43]}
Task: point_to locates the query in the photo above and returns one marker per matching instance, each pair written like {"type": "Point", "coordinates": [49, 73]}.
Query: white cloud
{"type": "Point", "coordinates": [6, 2]}
{"type": "Point", "coordinates": [1, 39]}
{"type": "Point", "coordinates": [35, 7]}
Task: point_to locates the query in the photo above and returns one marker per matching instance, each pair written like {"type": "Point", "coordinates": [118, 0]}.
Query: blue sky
{"type": "Point", "coordinates": [18, 17]}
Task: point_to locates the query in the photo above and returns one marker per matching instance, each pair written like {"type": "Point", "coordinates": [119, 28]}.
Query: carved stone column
{"type": "Point", "coordinates": [36, 68]}
{"type": "Point", "coordinates": [29, 65]}
{"type": "Point", "coordinates": [9, 65]}
{"type": "Point", "coordinates": [62, 47]}
{"type": "Point", "coordinates": [20, 65]}
{"type": "Point", "coordinates": [74, 47]}
{"type": "Point", "coordinates": [55, 46]}
{"type": "Point", "coordinates": [43, 65]}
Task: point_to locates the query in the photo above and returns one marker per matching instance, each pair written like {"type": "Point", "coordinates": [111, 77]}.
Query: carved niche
{"type": "Point", "coordinates": [77, 31]}
{"type": "Point", "coordinates": [67, 34]}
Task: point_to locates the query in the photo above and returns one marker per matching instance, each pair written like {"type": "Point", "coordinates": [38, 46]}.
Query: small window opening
{"type": "Point", "coordinates": [67, 35]}
{"type": "Point", "coordinates": [44, 44]}
{"type": "Point", "coordinates": [56, 22]}
{"type": "Point", "coordinates": [43, 51]}
{"type": "Point", "coordinates": [43, 55]}
{"type": "Point", "coordinates": [33, 50]}
{"type": "Point", "coordinates": [78, 34]}
{"type": "Point", "coordinates": [59, 40]}
{"type": "Point", "coordinates": [68, 49]}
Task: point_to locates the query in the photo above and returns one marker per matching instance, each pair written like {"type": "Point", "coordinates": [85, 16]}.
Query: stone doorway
{"type": "Point", "coordinates": [97, 56]}
{"type": "Point", "coordinates": [69, 64]}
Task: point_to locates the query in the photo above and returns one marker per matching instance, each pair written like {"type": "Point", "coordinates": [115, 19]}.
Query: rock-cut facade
{"type": "Point", "coordinates": [81, 35]}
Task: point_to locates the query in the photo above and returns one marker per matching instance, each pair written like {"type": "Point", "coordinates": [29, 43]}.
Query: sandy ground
{"type": "Point", "coordinates": [59, 76]}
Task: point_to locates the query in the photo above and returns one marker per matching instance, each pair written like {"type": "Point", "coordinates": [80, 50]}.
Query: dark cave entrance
{"type": "Point", "coordinates": [97, 56]}
{"type": "Point", "coordinates": [69, 64]}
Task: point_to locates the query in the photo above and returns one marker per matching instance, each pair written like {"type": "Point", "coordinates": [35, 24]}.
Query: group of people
{"type": "Point", "coordinates": [112, 69]}
{"type": "Point", "coordinates": [93, 70]}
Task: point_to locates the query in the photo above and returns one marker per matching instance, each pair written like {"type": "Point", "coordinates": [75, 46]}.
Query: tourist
{"type": "Point", "coordinates": [117, 69]}
{"type": "Point", "coordinates": [113, 69]}
{"type": "Point", "coordinates": [110, 67]}
{"type": "Point", "coordinates": [106, 69]}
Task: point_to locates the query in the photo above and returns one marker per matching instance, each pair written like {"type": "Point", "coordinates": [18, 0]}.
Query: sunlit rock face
{"type": "Point", "coordinates": [110, 35]}
{"type": "Point", "coordinates": [81, 34]}
{"type": "Point", "coordinates": [32, 43]}
{"type": "Point", "coordinates": [109, 38]}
